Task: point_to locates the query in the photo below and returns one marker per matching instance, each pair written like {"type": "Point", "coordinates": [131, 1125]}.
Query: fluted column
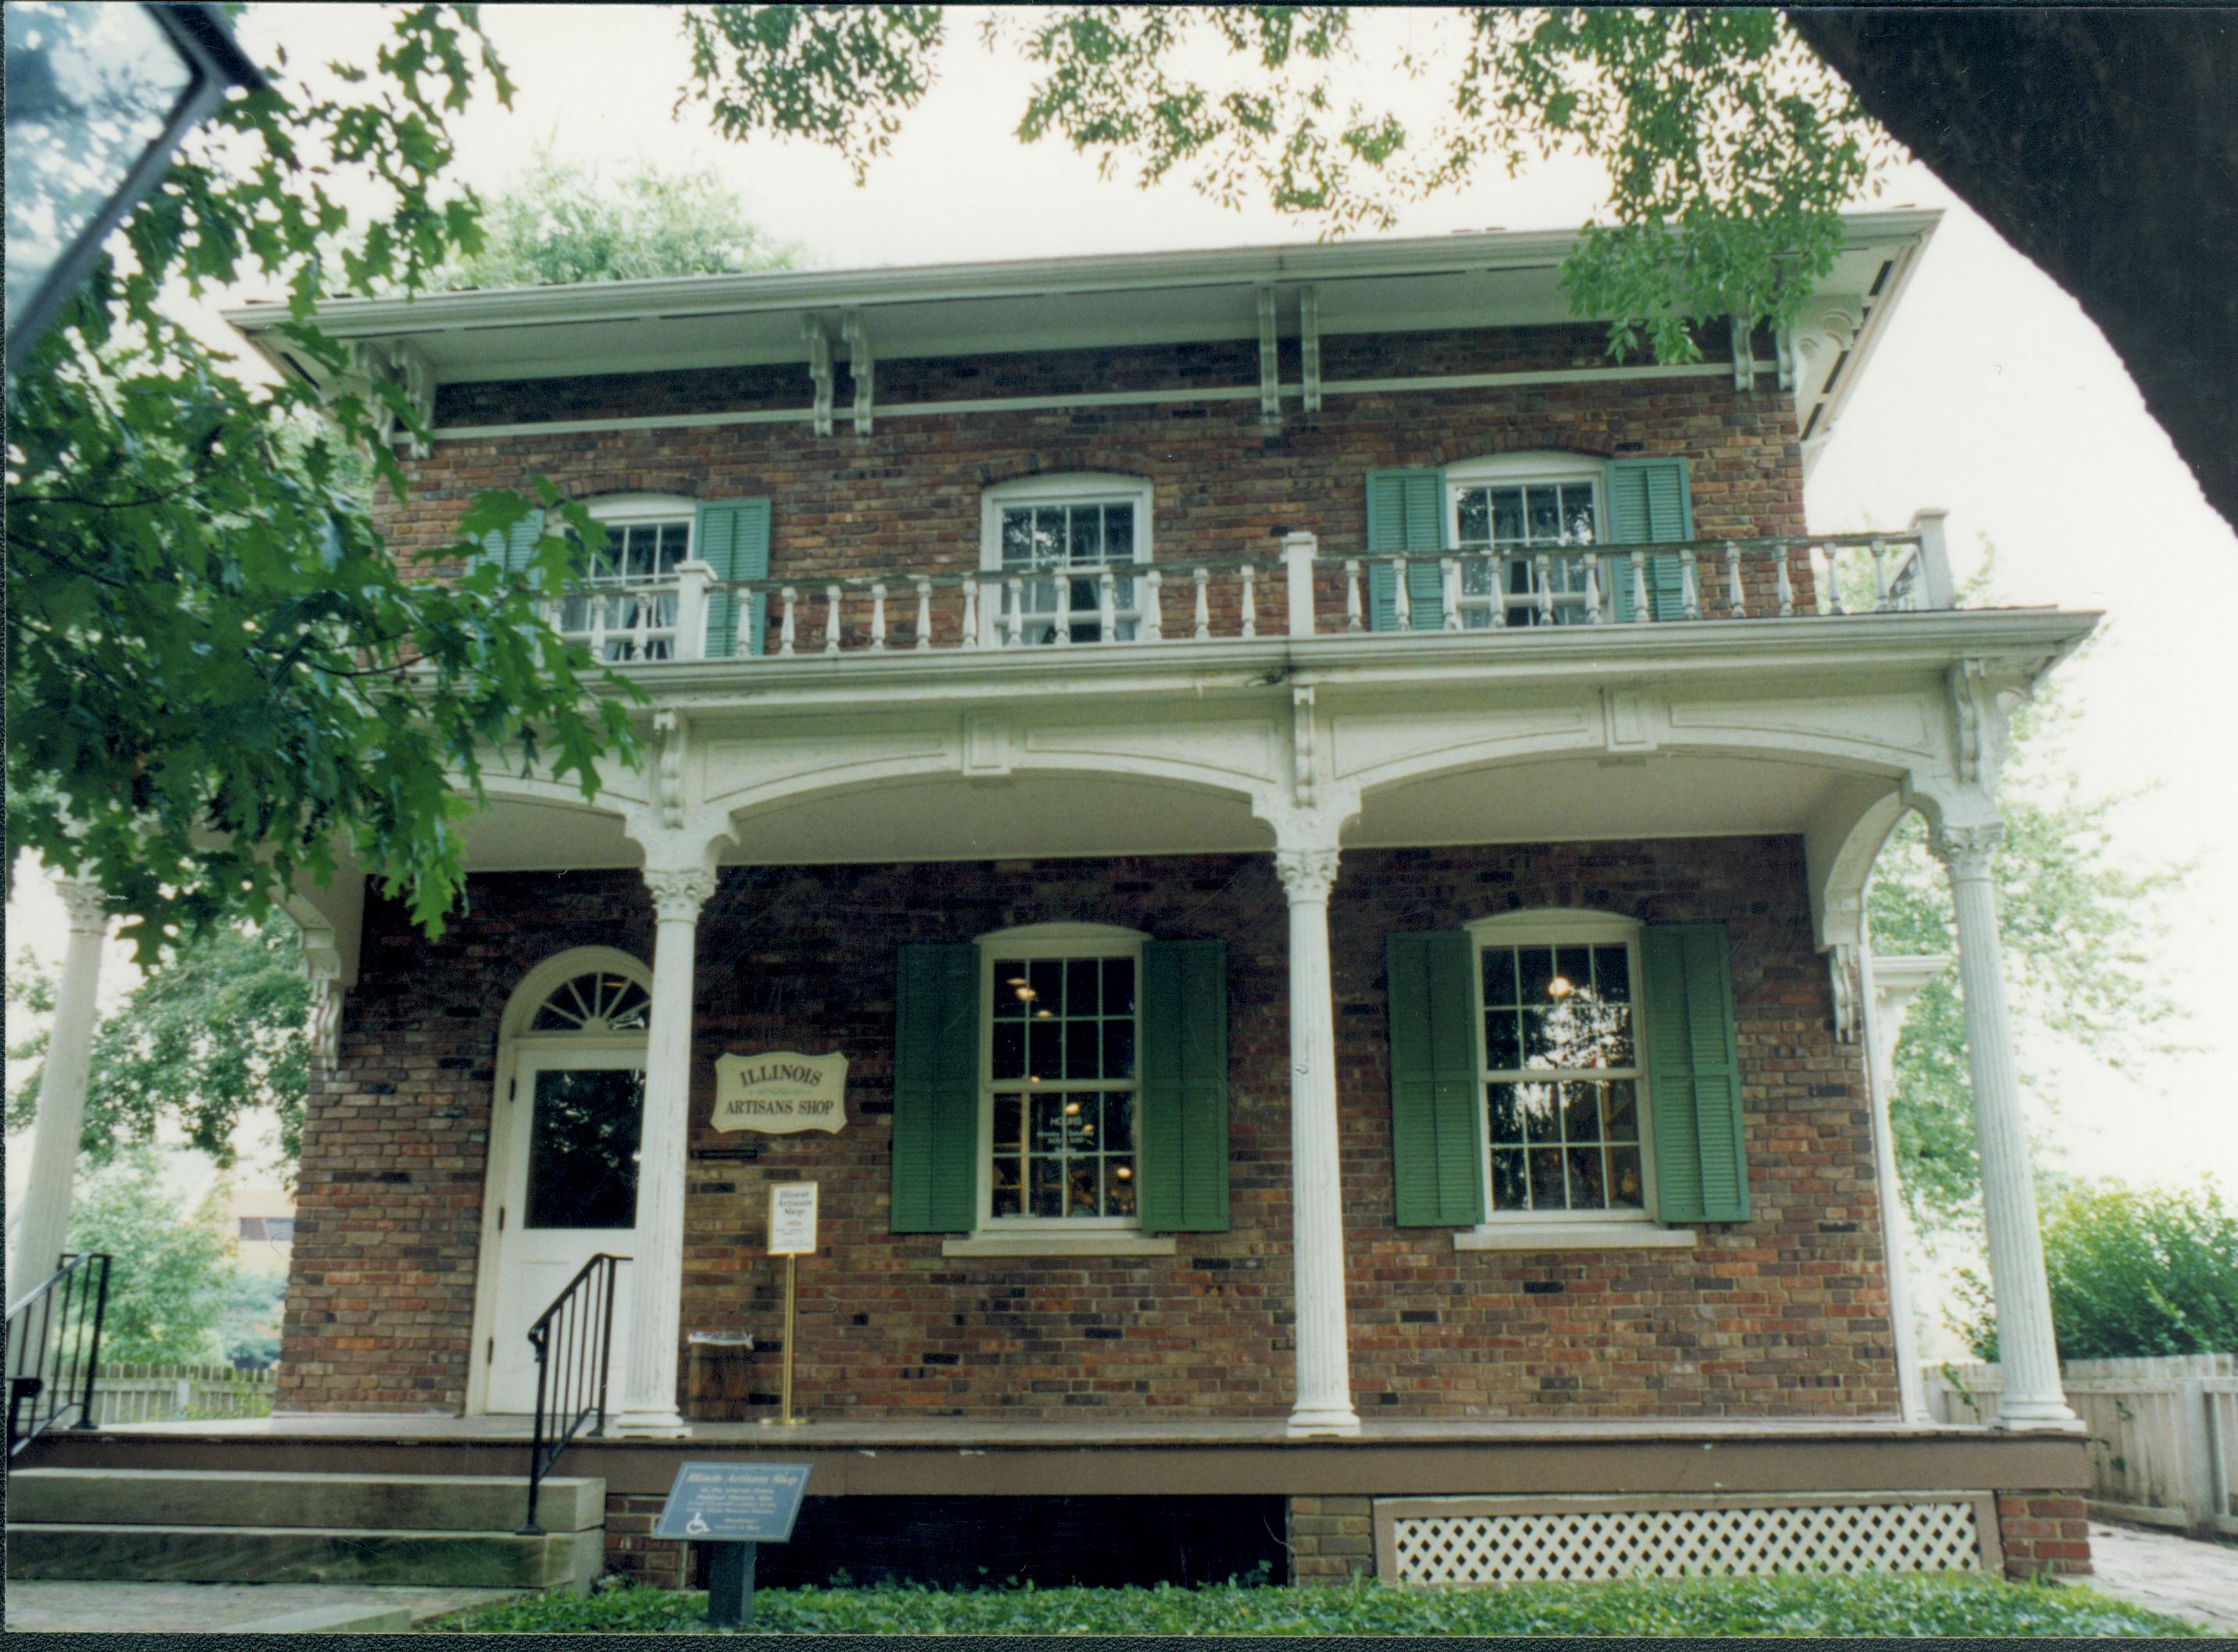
{"type": "Point", "coordinates": [646, 1355]}
{"type": "Point", "coordinates": [2026, 1350]}
{"type": "Point", "coordinates": [1323, 1401]}
{"type": "Point", "coordinates": [1882, 1007]}
{"type": "Point", "coordinates": [44, 1229]}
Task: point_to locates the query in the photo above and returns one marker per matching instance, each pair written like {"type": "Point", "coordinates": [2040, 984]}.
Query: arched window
{"type": "Point", "coordinates": [1040, 527]}
{"type": "Point", "coordinates": [1509, 506]}
{"type": "Point", "coordinates": [625, 607]}
{"type": "Point", "coordinates": [599, 1000]}
{"type": "Point", "coordinates": [1564, 1074]}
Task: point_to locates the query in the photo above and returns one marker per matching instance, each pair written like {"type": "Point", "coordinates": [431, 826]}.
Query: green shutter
{"type": "Point", "coordinates": [1406, 512]}
{"type": "Point", "coordinates": [1437, 1105]}
{"type": "Point", "coordinates": [732, 536]}
{"type": "Point", "coordinates": [936, 1174]}
{"type": "Point", "coordinates": [1650, 504]}
{"type": "Point", "coordinates": [1693, 1074]}
{"type": "Point", "coordinates": [1181, 1119]}
{"type": "Point", "coordinates": [512, 548]}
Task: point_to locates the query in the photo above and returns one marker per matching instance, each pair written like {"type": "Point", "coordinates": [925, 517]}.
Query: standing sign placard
{"type": "Point", "coordinates": [792, 1235]}
{"type": "Point", "coordinates": [735, 1506]}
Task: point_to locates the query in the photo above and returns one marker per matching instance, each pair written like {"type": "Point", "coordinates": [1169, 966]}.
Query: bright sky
{"type": "Point", "coordinates": [1991, 395]}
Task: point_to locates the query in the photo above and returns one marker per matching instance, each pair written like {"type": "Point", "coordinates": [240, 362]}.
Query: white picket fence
{"type": "Point", "coordinates": [128, 1393]}
{"type": "Point", "coordinates": [2164, 1433]}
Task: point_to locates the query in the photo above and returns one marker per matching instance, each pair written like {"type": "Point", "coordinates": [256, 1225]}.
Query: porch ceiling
{"type": "Point", "coordinates": [1661, 794]}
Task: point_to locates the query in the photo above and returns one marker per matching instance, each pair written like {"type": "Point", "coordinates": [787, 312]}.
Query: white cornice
{"type": "Point", "coordinates": [687, 297]}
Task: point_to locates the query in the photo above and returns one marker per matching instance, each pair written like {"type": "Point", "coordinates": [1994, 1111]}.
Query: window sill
{"type": "Point", "coordinates": [1060, 1245]}
{"type": "Point", "coordinates": [1575, 1236]}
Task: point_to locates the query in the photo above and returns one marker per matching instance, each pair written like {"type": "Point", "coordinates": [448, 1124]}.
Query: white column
{"type": "Point", "coordinates": [648, 1336]}
{"type": "Point", "coordinates": [1887, 987]}
{"type": "Point", "coordinates": [1323, 1403]}
{"type": "Point", "coordinates": [44, 1229]}
{"type": "Point", "coordinates": [2026, 1350]}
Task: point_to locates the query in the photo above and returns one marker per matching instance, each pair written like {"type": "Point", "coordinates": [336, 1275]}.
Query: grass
{"type": "Point", "coordinates": [1874, 1604]}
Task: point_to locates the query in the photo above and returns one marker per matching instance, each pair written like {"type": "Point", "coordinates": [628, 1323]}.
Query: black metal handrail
{"type": "Point", "coordinates": [579, 1324]}
{"type": "Point", "coordinates": [54, 1348]}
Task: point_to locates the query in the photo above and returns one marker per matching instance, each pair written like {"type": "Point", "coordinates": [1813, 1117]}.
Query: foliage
{"type": "Point", "coordinates": [2077, 926]}
{"type": "Point", "coordinates": [1728, 148]}
{"type": "Point", "coordinates": [170, 1270]}
{"type": "Point", "coordinates": [560, 222]}
{"type": "Point", "coordinates": [1868, 1604]}
{"type": "Point", "coordinates": [247, 1331]}
{"type": "Point", "coordinates": [214, 1030]}
{"type": "Point", "coordinates": [218, 680]}
{"type": "Point", "coordinates": [2135, 1274]}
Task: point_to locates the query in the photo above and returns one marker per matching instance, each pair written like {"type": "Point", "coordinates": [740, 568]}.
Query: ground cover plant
{"type": "Point", "coordinates": [1869, 1605]}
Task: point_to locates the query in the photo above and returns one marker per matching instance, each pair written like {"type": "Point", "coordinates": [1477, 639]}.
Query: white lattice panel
{"type": "Point", "coordinates": [1582, 1544]}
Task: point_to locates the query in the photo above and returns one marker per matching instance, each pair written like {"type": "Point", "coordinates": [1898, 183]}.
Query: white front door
{"type": "Point", "coordinates": [567, 1176]}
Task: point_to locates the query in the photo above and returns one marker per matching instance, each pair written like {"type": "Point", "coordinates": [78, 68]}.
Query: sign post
{"type": "Point", "coordinates": [792, 1235]}
{"type": "Point", "coordinates": [736, 1507]}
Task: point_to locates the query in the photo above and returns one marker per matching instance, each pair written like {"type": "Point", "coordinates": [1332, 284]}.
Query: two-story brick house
{"type": "Point", "coordinates": [1328, 820]}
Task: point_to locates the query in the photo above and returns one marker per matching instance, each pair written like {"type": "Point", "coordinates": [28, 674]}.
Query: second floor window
{"type": "Point", "coordinates": [1512, 507]}
{"type": "Point", "coordinates": [624, 609]}
{"type": "Point", "coordinates": [1056, 536]}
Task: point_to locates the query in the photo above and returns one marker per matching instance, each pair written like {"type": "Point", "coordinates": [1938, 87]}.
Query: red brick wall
{"type": "Point", "coordinates": [2044, 1534]}
{"type": "Point", "coordinates": [907, 496]}
{"type": "Point", "coordinates": [1784, 1314]}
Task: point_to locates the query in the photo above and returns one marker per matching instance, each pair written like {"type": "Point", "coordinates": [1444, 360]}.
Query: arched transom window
{"type": "Point", "coordinates": [597, 1001]}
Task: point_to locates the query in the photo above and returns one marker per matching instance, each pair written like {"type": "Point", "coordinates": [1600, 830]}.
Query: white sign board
{"type": "Point", "coordinates": [781, 1092]}
{"type": "Point", "coordinates": [792, 1219]}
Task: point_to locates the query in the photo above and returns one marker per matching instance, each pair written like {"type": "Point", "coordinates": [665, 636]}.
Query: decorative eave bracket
{"type": "Point", "coordinates": [862, 368]}
{"type": "Point", "coordinates": [1309, 344]}
{"type": "Point", "coordinates": [376, 362]}
{"type": "Point", "coordinates": [1270, 360]}
{"type": "Point", "coordinates": [819, 371]}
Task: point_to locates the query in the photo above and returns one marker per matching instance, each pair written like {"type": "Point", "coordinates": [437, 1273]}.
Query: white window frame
{"type": "Point", "coordinates": [1553, 926]}
{"type": "Point", "coordinates": [626, 511]}
{"type": "Point", "coordinates": [1035, 941]}
{"type": "Point", "coordinates": [1071, 487]}
{"type": "Point", "coordinates": [1519, 470]}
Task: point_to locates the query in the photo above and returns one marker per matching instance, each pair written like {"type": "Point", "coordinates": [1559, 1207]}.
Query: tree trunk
{"type": "Point", "coordinates": [2103, 144]}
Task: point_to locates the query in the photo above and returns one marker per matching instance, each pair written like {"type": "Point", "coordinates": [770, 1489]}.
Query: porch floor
{"type": "Point", "coordinates": [982, 1456]}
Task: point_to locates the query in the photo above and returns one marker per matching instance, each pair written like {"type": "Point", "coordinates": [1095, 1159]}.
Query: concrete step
{"type": "Point", "coordinates": [301, 1554]}
{"type": "Point", "coordinates": [226, 1497]}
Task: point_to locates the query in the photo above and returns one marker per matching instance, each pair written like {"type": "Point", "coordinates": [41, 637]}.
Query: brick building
{"type": "Point", "coordinates": [1327, 822]}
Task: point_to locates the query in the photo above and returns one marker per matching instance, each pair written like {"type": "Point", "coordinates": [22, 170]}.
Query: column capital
{"type": "Point", "coordinates": [678, 896]}
{"type": "Point", "coordinates": [1966, 851]}
{"type": "Point", "coordinates": [1306, 874]}
{"type": "Point", "coordinates": [86, 902]}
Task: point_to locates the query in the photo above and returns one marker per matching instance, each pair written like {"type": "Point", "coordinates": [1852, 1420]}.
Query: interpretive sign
{"type": "Point", "coordinates": [792, 1219]}
{"type": "Point", "coordinates": [734, 1502]}
{"type": "Point", "coordinates": [736, 1506]}
{"type": "Point", "coordinates": [781, 1092]}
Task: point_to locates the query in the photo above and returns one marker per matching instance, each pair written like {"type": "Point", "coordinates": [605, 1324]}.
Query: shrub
{"type": "Point", "coordinates": [2135, 1273]}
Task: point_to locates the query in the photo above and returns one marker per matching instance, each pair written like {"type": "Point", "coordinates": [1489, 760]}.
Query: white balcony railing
{"type": "Point", "coordinates": [1298, 593]}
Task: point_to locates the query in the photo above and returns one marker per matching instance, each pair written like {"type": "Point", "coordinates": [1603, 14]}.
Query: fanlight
{"type": "Point", "coordinates": [601, 1001]}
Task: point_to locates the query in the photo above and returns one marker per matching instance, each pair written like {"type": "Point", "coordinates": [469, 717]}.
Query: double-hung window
{"type": "Point", "coordinates": [1505, 515]}
{"type": "Point", "coordinates": [1058, 1097]}
{"type": "Point", "coordinates": [1052, 538]}
{"type": "Point", "coordinates": [623, 606]}
{"type": "Point", "coordinates": [1563, 1082]}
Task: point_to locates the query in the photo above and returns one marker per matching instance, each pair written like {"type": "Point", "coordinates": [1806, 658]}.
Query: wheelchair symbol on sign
{"type": "Point", "coordinates": [696, 1524]}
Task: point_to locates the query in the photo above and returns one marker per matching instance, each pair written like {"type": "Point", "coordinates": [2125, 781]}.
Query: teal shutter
{"type": "Point", "coordinates": [1649, 503]}
{"type": "Point", "coordinates": [1437, 1106]}
{"type": "Point", "coordinates": [1183, 1113]}
{"type": "Point", "coordinates": [1406, 512]}
{"type": "Point", "coordinates": [732, 536]}
{"type": "Point", "coordinates": [1693, 1074]}
{"type": "Point", "coordinates": [512, 549]}
{"type": "Point", "coordinates": [936, 1171]}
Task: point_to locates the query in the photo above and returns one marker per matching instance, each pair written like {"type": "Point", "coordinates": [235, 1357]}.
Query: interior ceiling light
{"type": "Point", "coordinates": [1558, 987]}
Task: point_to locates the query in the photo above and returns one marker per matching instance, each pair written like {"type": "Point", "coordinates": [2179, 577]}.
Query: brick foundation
{"type": "Point", "coordinates": [2043, 1535]}
{"type": "Point", "coordinates": [1331, 1540]}
{"type": "Point", "coordinates": [632, 1551]}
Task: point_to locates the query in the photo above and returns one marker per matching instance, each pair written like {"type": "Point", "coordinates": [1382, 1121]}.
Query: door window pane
{"type": "Point", "coordinates": [582, 1151]}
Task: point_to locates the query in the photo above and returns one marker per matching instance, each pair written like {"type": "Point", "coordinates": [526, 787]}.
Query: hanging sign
{"type": "Point", "coordinates": [781, 1092]}
{"type": "Point", "coordinates": [792, 1219]}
